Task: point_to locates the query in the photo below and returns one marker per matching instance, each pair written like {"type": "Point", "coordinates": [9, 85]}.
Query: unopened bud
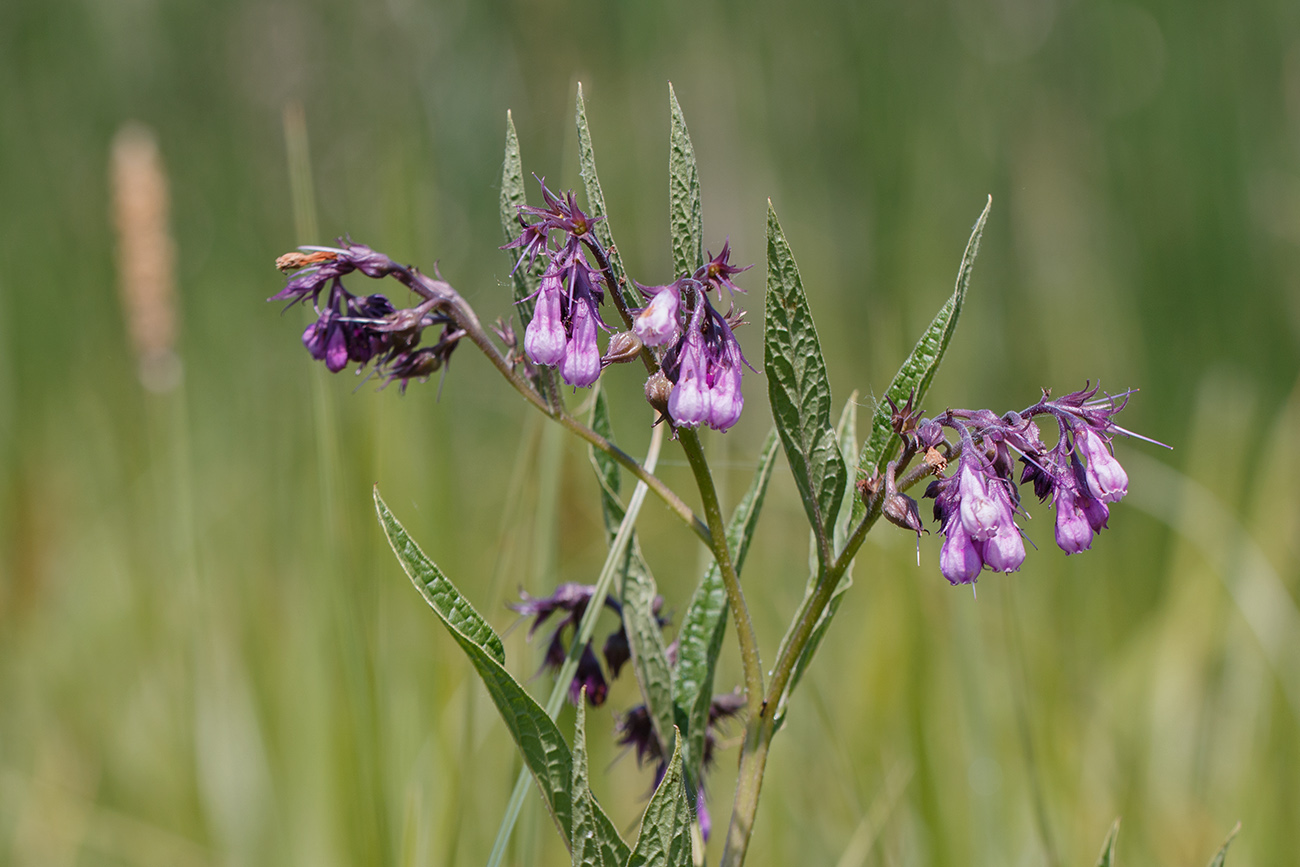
{"type": "Point", "coordinates": [623, 347]}
{"type": "Point", "coordinates": [901, 510]}
{"type": "Point", "coordinates": [657, 391]}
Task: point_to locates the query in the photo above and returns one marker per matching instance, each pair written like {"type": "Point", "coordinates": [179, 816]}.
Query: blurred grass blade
{"type": "Point", "coordinates": [513, 197]}
{"type": "Point", "coordinates": [699, 640]}
{"type": "Point", "coordinates": [637, 590]}
{"type": "Point", "coordinates": [607, 470]}
{"type": "Point", "coordinates": [846, 431]}
{"type": "Point", "coordinates": [586, 628]}
{"type": "Point", "coordinates": [685, 216]}
{"type": "Point", "coordinates": [544, 751]}
{"type": "Point", "coordinates": [665, 838]}
{"type": "Point", "coordinates": [592, 845]}
{"type": "Point", "coordinates": [1222, 855]}
{"type": "Point", "coordinates": [1107, 856]}
{"type": "Point", "coordinates": [596, 202]}
{"type": "Point", "coordinates": [919, 369]}
{"type": "Point", "coordinates": [799, 390]}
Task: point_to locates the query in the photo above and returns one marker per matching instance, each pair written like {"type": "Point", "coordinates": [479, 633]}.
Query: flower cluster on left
{"type": "Point", "coordinates": [367, 329]}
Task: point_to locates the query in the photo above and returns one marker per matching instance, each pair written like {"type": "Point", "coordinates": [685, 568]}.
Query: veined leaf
{"type": "Point", "coordinates": [799, 390]}
{"type": "Point", "coordinates": [699, 640]}
{"type": "Point", "coordinates": [665, 838]}
{"type": "Point", "coordinates": [596, 202]}
{"type": "Point", "coordinates": [593, 844]}
{"type": "Point", "coordinates": [686, 223]}
{"type": "Point", "coordinates": [545, 753]}
{"type": "Point", "coordinates": [523, 278]}
{"type": "Point", "coordinates": [1107, 856]}
{"type": "Point", "coordinates": [919, 369]}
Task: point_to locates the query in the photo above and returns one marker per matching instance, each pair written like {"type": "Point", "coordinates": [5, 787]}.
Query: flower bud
{"type": "Point", "coordinates": [623, 347]}
{"type": "Point", "coordinates": [959, 560]}
{"type": "Point", "coordinates": [657, 391]}
{"type": "Point", "coordinates": [1106, 479]}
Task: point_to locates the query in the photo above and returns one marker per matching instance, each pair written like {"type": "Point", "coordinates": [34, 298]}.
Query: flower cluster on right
{"type": "Point", "coordinates": [976, 504]}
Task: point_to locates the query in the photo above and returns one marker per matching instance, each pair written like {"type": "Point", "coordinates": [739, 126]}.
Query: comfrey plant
{"type": "Point", "coordinates": [569, 285]}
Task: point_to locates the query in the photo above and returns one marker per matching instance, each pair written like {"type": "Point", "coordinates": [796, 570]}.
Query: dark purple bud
{"type": "Point", "coordinates": [326, 341]}
{"type": "Point", "coordinates": [590, 677]}
{"type": "Point", "coordinates": [617, 651]}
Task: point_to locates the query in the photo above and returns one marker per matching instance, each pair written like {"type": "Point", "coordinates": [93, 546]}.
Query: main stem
{"type": "Point", "coordinates": [761, 726]}
{"type": "Point", "coordinates": [749, 656]}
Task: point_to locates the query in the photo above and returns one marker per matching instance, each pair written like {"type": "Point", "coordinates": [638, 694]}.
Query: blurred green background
{"type": "Point", "coordinates": [208, 656]}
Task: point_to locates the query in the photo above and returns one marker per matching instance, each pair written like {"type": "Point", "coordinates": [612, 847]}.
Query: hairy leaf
{"type": "Point", "coordinates": [594, 842]}
{"type": "Point", "coordinates": [919, 369]}
{"type": "Point", "coordinates": [685, 221]}
{"type": "Point", "coordinates": [799, 390]}
{"type": "Point", "coordinates": [523, 278]}
{"type": "Point", "coordinates": [665, 838]}
{"type": "Point", "coordinates": [596, 202]}
{"type": "Point", "coordinates": [699, 640]}
{"type": "Point", "coordinates": [544, 751]}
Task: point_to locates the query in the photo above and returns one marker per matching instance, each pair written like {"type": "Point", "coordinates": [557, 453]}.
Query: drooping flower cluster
{"type": "Point", "coordinates": [366, 329]}
{"type": "Point", "coordinates": [693, 343]}
{"type": "Point", "coordinates": [566, 315]}
{"type": "Point", "coordinates": [570, 601]}
{"type": "Point", "coordinates": [703, 361]}
{"type": "Point", "coordinates": [977, 502]}
{"type": "Point", "coordinates": [636, 731]}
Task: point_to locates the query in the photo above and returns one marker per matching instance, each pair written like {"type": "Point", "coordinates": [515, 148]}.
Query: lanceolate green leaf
{"type": "Point", "coordinates": [523, 278]}
{"type": "Point", "coordinates": [1107, 856]}
{"type": "Point", "coordinates": [685, 220]}
{"type": "Point", "coordinates": [545, 753]}
{"type": "Point", "coordinates": [799, 390]}
{"type": "Point", "coordinates": [919, 369]}
{"type": "Point", "coordinates": [593, 843]}
{"type": "Point", "coordinates": [637, 590]}
{"type": "Point", "coordinates": [596, 201]}
{"type": "Point", "coordinates": [700, 638]}
{"type": "Point", "coordinates": [665, 839]}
